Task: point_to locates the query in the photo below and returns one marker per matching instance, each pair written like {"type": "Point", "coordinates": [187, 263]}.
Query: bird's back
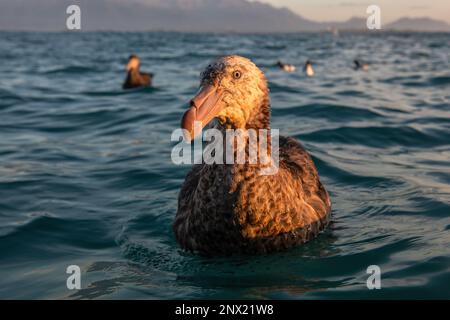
{"type": "Point", "coordinates": [136, 79]}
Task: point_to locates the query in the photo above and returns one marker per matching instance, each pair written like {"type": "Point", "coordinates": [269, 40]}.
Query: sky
{"type": "Point", "coordinates": [338, 10]}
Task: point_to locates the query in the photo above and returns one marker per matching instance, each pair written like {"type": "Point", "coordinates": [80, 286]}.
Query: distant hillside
{"type": "Point", "coordinates": [354, 23]}
{"type": "Point", "coordinates": [170, 15]}
{"type": "Point", "coordinates": [418, 24]}
{"type": "Point", "coordinates": [402, 24]}
{"type": "Point", "coordinates": [179, 15]}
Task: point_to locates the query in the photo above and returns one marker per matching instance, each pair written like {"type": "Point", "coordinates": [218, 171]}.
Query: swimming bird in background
{"type": "Point", "coordinates": [286, 66]}
{"type": "Point", "coordinates": [308, 68]}
{"type": "Point", "coordinates": [226, 209]}
{"type": "Point", "coordinates": [335, 32]}
{"type": "Point", "coordinates": [359, 65]}
{"type": "Point", "coordinates": [135, 78]}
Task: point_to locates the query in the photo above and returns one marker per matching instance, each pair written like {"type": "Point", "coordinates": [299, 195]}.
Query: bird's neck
{"type": "Point", "coordinates": [260, 117]}
{"type": "Point", "coordinates": [254, 140]}
{"type": "Point", "coordinates": [134, 71]}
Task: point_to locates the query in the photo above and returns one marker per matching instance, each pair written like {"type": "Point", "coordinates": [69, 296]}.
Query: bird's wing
{"type": "Point", "coordinates": [189, 186]}
{"type": "Point", "coordinates": [296, 159]}
{"type": "Point", "coordinates": [147, 75]}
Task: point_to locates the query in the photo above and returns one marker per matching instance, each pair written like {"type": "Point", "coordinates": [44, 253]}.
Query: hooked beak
{"type": "Point", "coordinates": [204, 107]}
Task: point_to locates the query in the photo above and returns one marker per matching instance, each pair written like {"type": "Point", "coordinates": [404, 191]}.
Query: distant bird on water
{"type": "Point", "coordinates": [135, 78]}
{"type": "Point", "coordinates": [286, 66]}
{"type": "Point", "coordinates": [359, 65]}
{"type": "Point", "coordinates": [308, 68]}
{"type": "Point", "coordinates": [226, 209]}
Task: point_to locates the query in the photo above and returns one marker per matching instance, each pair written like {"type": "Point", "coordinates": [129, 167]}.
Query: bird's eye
{"type": "Point", "coordinates": [237, 74]}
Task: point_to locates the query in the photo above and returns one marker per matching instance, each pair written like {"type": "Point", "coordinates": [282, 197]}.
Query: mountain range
{"type": "Point", "coordinates": [181, 15]}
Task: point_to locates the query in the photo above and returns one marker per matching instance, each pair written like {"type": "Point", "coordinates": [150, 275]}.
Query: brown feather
{"type": "Point", "coordinates": [136, 79]}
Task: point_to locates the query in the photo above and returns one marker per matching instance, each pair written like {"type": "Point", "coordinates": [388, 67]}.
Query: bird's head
{"type": "Point", "coordinates": [233, 90]}
{"type": "Point", "coordinates": [133, 63]}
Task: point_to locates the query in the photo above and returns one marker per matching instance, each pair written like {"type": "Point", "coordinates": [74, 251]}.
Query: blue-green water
{"type": "Point", "coordinates": [86, 176]}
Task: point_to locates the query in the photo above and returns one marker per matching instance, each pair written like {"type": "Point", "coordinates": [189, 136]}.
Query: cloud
{"type": "Point", "coordinates": [419, 7]}
{"type": "Point", "coordinates": [350, 4]}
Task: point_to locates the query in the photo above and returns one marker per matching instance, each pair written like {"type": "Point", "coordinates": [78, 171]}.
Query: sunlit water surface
{"type": "Point", "coordinates": [86, 176]}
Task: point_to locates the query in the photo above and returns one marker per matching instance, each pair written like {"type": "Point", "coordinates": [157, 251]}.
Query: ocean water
{"type": "Point", "coordinates": [86, 177]}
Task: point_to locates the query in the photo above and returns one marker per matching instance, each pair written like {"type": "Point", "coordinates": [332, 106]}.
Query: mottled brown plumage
{"type": "Point", "coordinates": [226, 209]}
{"type": "Point", "coordinates": [135, 78]}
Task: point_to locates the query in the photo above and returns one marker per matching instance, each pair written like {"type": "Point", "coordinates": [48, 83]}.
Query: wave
{"type": "Point", "coordinates": [439, 81]}
{"type": "Point", "coordinates": [332, 112]}
{"type": "Point", "coordinates": [75, 70]}
{"type": "Point", "coordinates": [43, 236]}
{"type": "Point", "coordinates": [380, 137]}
